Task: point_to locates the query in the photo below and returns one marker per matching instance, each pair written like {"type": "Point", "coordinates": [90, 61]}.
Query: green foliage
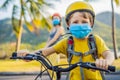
{"type": "Point", "coordinates": [6, 31]}
{"type": "Point", "coordinates": [105, 32]}
{"type": "Point", "coordinates": [106, 18]}
{"type": "Point", "coordinates": [33, 42]}
{"type": "Point", "coordinates": [34, 39]}
{"type": "Point", "coordinates": [117, 2]}
{"type": "Point", "coordinates": [32, 47]}
{"type": "Point", "coordinates": [6, 50]}
{"type": "Point", "coordinates": [39, 46]}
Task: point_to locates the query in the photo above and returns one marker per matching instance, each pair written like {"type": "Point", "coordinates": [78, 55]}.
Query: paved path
{"type": "Point", "coordinates": [32, 77]}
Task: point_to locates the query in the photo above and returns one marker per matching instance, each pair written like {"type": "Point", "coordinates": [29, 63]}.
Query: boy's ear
{"type": "Point", "coordinates": [67, 28]}
{"type": "Point", "coordinates": [92, 24]}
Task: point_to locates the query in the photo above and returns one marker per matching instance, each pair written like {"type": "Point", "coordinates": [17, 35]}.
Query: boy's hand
{"type": "Point", "coordinates": [23, 53]}
{"type": "Point", "coordinates": [101, 63]}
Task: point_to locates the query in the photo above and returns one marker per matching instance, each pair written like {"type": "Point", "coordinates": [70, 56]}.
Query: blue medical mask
{"type": "Point", "coordinates": [56, 22]}
{"type": "Point", "coordinates": [80, 30]}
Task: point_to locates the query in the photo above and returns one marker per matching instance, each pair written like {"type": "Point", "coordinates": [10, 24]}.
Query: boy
{"type": "Point", "coordinates": [80, 20]}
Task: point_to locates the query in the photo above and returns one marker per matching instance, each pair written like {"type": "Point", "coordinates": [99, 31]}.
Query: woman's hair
{"type": "Point", "coordinates": [56, 14]}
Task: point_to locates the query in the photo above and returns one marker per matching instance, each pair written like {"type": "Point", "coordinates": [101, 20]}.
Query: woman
{"type": "Point", "coordinates": [55, 35]}
{"type": "Point", "coordinates": [56, 32]}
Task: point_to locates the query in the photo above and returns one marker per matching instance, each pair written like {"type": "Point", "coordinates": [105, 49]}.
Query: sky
{"type": "Point", "coordinates": [98, 5]}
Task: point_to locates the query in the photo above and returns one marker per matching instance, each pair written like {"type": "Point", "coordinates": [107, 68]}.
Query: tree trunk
{"type": "Point", "coordinates": [18, 41]}
{"type": "Point", "coordinates": [114, 31]}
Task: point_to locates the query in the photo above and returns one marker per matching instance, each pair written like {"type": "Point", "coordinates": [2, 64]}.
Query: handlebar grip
{"type": "Point", "coordinates": [14, 54]}
{"type": "Point", "coordinates": [110, 68]}
{"type": "Point", "coordinates": [27, 57]}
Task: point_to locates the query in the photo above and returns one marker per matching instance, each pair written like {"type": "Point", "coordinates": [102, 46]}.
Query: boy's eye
{"type": "Point", "coordinates": [84, 22]}
{"type": "Point", "coordinates": [75, 22]}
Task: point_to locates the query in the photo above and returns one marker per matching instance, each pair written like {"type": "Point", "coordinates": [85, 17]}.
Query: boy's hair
{"type": "Point", "coordinates": [86, 15]}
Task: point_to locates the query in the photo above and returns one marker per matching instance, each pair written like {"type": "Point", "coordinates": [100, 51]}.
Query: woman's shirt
{"type": "Point", "coordinates": [52, 34]}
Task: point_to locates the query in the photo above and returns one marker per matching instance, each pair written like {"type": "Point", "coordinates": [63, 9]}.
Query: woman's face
{"type": "Point", "coordinates": [79, 18]}
{"type": "Point", "coordinates": [56, 17]}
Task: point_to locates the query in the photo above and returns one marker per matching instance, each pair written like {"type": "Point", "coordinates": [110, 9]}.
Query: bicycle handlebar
{"type": "Point", "coordinates": [87, 65]}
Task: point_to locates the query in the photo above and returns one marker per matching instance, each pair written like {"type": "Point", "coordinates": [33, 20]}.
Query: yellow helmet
{"type": "Point", "coordinates": [79, 6]}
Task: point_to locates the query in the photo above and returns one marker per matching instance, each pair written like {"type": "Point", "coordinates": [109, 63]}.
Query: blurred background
{"type": "Point", "coordinates": [25, 24]}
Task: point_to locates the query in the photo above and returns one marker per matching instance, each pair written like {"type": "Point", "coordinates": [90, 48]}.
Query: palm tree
{"type": "Point", "coordinates": [113, 27]}
{"type": "Point", "coordinates": [32, 9]}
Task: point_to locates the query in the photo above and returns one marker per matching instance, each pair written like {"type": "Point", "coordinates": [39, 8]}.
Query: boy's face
{"type": "Point", "coordinates": [79, 18]}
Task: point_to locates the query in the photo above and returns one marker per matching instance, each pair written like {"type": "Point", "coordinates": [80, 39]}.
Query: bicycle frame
{"type": "Point", "coordinates": [58, 69]}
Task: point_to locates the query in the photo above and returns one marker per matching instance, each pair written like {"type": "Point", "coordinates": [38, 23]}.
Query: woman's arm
{"type": "Point", "coordinates": [57, 35]}
{"type": "Point", "coordinates": [47, 43]}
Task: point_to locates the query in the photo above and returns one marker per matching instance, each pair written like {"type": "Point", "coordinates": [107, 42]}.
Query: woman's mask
{"type": "Point", "coordinates": [56, 22]}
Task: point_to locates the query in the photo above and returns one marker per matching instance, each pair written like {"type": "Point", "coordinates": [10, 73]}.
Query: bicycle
{"type": "Point", "coordinates": [57, 69]}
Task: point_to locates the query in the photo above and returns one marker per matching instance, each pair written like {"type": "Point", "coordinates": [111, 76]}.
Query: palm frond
{"type": "Point", "coordinates": [41, 2]}
{"type": "Point", "coordinates": [29, 26]}
{"type": "Point", "coordinates": [32, 26]}
{"type": "Point", "coordinates": [15, 21]}
{"type": "Point", "coordinates": [45, 23]}
{"type": "Point", "coordinates": [46, 3]}
{"type": "Point", "coordinates": [39, 20]}
{"type": "Point", "coordinates": [6, 4]}
{"type": "Point", "coordinates": [34, 10]}
{"type": "Point", "coordinates": [117, 2]}
{"type": "Point", "coordinates": [91, 0]}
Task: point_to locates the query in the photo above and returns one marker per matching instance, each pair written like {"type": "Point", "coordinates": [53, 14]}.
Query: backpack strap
{"type": "Point", "coordinates": [69, 55]}
{"type": "Point", "coordinates": [70, 48]}
{"type": "Point", "coordinates": [92, 46]}
{"type": "Point", "coordinates": [71, 52]}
